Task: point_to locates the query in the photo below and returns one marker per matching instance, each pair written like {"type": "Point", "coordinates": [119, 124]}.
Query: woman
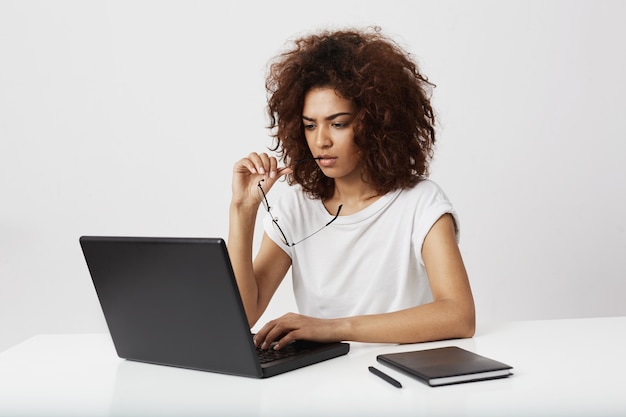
{"type": "Point", "coordinates": [372, 243]}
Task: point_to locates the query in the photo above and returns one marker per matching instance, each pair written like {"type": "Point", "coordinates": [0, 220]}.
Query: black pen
{"type": "Point", "coordinates": [385, 377]}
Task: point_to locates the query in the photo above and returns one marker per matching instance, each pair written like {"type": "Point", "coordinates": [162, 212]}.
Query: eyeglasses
{"type": "Point", "coordinates": [282, 235]}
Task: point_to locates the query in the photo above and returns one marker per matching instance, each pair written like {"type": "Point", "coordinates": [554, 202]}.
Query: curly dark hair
{"type": "Point", "coordinates": [394, 124]}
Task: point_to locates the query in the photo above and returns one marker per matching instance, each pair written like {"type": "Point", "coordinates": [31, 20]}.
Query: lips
{"type": "Point", "coordinates": [326, 160]}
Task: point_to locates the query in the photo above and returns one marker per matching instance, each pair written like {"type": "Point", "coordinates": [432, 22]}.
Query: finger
{"type": "Point", "coordinates": [285, 330]}
{"type": "Point", "coordinates": [256, 161]}
{"type": "Point", "coordinates": [273, 168]}
{"type": "Point", "coordinates": [245, 165]}
{"type": "Point", "coordinates": [274, 330]}
{"type": "Point", "coordinates": [265, 163]}
{"type": "Point", "coordinates": [268, 181]}
{"type": "Point", "coordinates": [259, 337]}
{"type": "Point", "coordinates": [286, 339]}
{"type": "Point", "coordinates": [283, 171]}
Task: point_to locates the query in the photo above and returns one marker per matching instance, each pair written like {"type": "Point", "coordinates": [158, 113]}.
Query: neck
{"type": "Point", "coordinates": [354, 197]}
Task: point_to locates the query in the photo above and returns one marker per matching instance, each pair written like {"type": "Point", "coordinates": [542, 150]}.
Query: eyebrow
{"type": "Point", "coordinates": [328, 118]}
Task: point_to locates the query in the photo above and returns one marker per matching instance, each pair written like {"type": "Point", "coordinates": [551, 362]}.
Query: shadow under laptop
{"type": "Point", "coordinates": [143, 389]}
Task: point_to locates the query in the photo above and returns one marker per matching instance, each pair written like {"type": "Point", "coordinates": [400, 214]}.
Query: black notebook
{"type": "Point", "coordinates": [175, 301]}
{"type": "Point", "coordinates": [446, 365]}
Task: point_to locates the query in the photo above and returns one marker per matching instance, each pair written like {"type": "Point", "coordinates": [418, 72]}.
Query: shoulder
{"type": "Point", "coordinates": [425, 191]}
{"type": "Point", "coordinates": [428, 202]}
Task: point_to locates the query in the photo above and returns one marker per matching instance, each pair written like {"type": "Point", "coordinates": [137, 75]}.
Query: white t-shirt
{"type": "Point", "coordinates": [365, 263]}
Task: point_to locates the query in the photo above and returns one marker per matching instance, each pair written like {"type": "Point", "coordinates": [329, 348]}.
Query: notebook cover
{"type": "Point", "coordinates": [446, 365]}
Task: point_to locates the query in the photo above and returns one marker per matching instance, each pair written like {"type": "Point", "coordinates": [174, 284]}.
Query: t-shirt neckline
{"type": "Point", "coordinates": [367, 212]}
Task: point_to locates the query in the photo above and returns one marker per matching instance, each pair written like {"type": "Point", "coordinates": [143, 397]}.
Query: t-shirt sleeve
{"type": "Point", "coordinates": [269, 227]}
{"type": "Point", "coordinates": [433, 203]}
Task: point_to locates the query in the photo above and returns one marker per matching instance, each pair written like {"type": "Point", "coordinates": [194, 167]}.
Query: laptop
{"type": "Point", "coordinates": [175, 301]}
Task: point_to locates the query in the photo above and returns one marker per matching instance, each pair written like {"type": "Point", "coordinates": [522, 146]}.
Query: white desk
{"type": "Point", "coordinates": [562, 367]}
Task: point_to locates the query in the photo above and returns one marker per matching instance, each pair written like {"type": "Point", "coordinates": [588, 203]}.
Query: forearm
{"type": "Point", "coordinates": [442, 319]}
{"type": "Point", "coordinates": [256, 280]}
{"type": "Point", "coordinates": [439, 320]}
{"type": "Point", "coordinates": [242, 220]}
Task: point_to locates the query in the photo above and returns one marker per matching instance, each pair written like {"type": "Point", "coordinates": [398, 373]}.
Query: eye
{"type": "Point", "coordinates": [340, 125]}
{"type": "Point", "coordinates": [308, 126]}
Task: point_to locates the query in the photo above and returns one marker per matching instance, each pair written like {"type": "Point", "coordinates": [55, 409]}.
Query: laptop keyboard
{"type": "Point", "coordinates": [270, 355]}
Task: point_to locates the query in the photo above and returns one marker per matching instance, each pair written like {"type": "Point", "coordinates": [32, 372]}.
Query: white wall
{"type": "Point", "coordinates": [126, 117]}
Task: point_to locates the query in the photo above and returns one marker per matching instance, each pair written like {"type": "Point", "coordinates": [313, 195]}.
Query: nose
{"type": "Point", "coordinates": [322, 137]}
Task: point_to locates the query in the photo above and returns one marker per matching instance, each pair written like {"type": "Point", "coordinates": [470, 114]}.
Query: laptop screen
{"type": "Point", "coordinates": [172, 301]}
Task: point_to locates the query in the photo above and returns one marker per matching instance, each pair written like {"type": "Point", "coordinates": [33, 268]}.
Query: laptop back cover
{"type": "Point", "coordinates": [172, 301]}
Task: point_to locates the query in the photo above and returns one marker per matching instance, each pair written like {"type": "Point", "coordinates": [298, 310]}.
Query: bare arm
{"type": "Point", "coordinates": [450, 315]}
{"type": "Point", "coordinates": [257, 281]}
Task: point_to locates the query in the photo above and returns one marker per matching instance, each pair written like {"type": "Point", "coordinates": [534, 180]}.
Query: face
{"type": "Point", "coordinates": [328, 127]}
